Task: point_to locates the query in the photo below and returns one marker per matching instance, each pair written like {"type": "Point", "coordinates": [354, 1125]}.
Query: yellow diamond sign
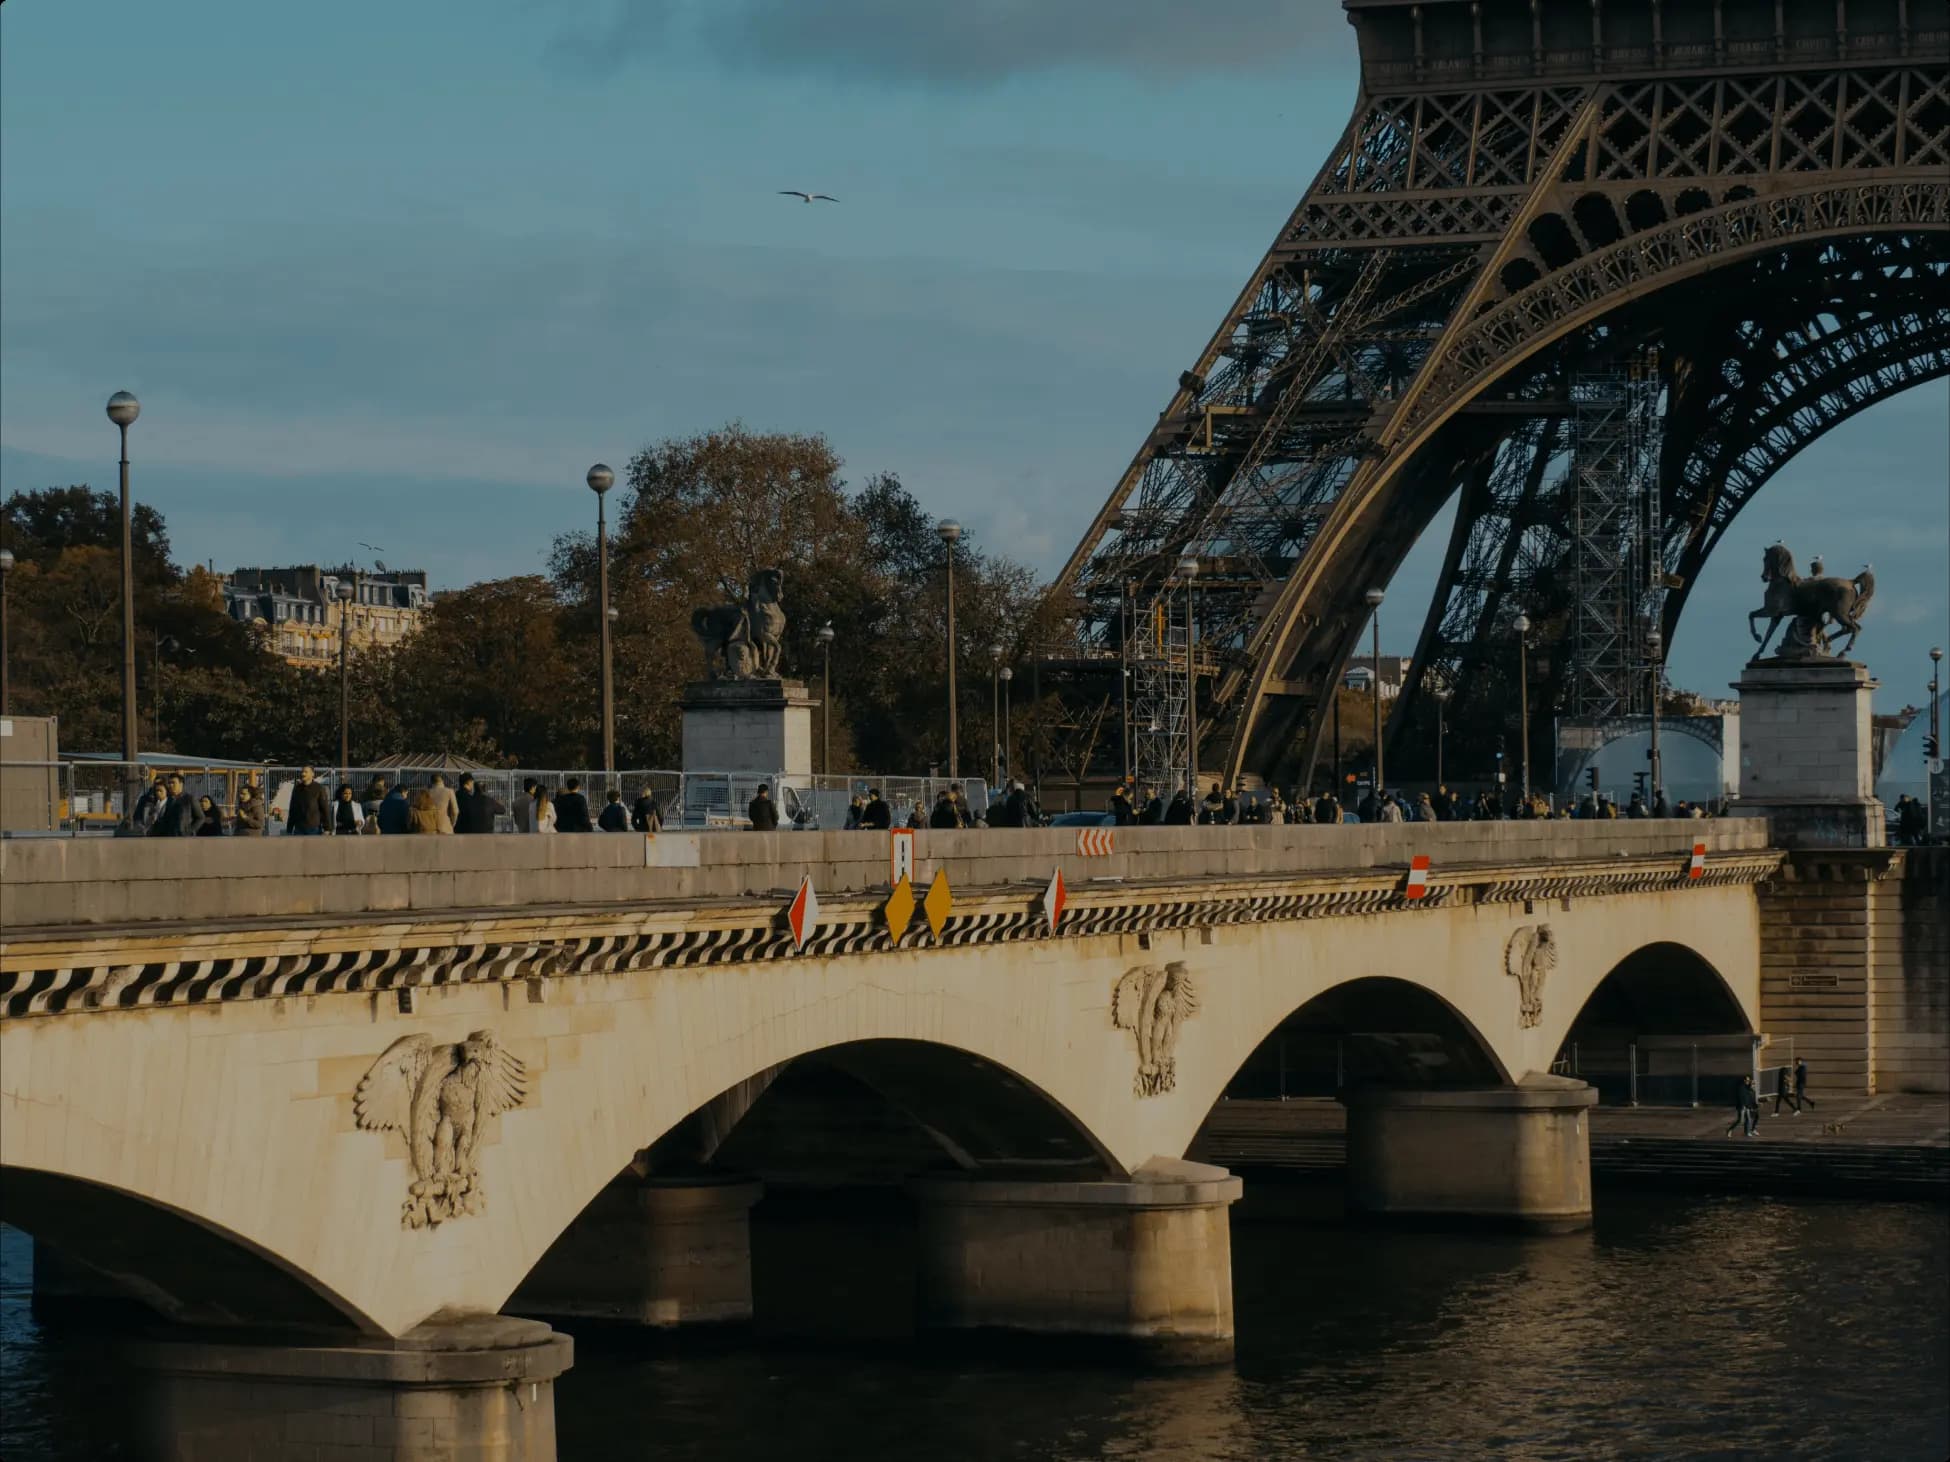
{"type": "Point", "coordinates": [938, 902]}
{"type": "Point", "coordinates": [899, 912]}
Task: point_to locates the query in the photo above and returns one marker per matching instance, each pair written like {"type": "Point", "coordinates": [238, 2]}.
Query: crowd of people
{"type": "Point", "coordinates": [1229, 805]}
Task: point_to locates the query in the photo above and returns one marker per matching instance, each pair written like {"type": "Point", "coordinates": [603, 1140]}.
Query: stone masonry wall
{"type": "Point", "coordinates": [1909, 982]}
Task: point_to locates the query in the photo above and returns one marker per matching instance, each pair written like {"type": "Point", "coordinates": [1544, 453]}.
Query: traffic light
{"type": "Point", "coordinates": [1930, 752]}
{"type": "Point", "coordinates": [1591, 776]}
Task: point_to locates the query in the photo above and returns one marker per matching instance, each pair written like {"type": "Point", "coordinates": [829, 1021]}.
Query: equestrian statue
{"type": "Point", "coordinates": [1808, 604]}
{"type": "Point", "coordinates": [742, 640]}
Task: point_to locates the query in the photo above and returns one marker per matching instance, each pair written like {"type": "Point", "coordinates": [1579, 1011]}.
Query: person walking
{"type": "Point", "coordinates": [615, 818]}
{"type": "Point", "coordinates": [542, 816]}
{"type": "Point", "coordinates": [1327, 809]}
{"type": "Point", "coordinates": [347, 820]}
{"type": "Point", "coordinates": [1179, 813]}
{"type": "Point", "coordinates": [249, 819]}
{"type": "Point", "coordinates": [211, 815]}
{"type": "Point", "coordinates": [1784, 1091]}
{"type": "Point", "coordinates": [423, 813]}
{"type": "Point", "coordinates": [762, 812]}
{"type": "Point", "coordinates": [944, 814]}
{"type": "Point", "coordinates": [149, 806]}
{"type": "Point", "coordinates": [395, 813]}
{"type": "Point", "coordinates": [645, 815]}
{"type": "Point", "coordinates": [876, 815]}
{"type": "Point", "coordinates": [524, 809]}
{"type": "Point", "coordinates": [855, 805]}
{"type": "Point", "coordinates": [446, 806]}
{"type": "Point", "coordinates": [1153, 814]}
{"type": "Point", "coordinates": [179, 817]}
{"type": "Point", "coordinates": [309, 814]}
{"type": "Point", "coordinates": [1120, 807]}
{"type": "Point", "coordinates": [477, 807]}
{"type": "Point", "coordinates": [1746, 1109]}
{"type": "Point", "coordinates": [572, 808]}
{"type": "Point", "coordinates": [1801, 1097]}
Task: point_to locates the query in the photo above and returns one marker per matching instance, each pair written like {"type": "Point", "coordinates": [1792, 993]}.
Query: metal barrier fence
{"type": "Point", "coordinates": [78, 798]}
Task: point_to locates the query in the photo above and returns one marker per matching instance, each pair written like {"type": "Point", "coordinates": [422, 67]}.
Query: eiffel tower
{"type": "Point", "coordinates": [1746, 202]}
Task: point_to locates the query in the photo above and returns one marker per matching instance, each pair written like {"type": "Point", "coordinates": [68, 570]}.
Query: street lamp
{"type": "Point", "coordinates": [601, 480]}
{"type": "Point", "coordinates": [6, 573]}
{"type": "Point", "coordinates": [345, 591]}
{"type": "Point", "coordinates": [1441, 726]}
{"type": "Point", "coordinates": [995, 714]}
{"type": "Point", "coordinates": [1005, 674]}
{"type": "Point", "coordinates": [1188, 571]}
{"type": "Point", "coordinates": [1523, 697]}
{"type": "Point", "coordinates": [824, 634]}
{"type": "Point", "coordinates": [1374, 598]}
{"type": "Point", "coordinates": [1655, 645]}
{"type": "Point", "coordinates": [950, 532]}
{"type": "Point", "coordinates": [1930, 770]}
{"type": "Point", "coordinates": [123, 409]}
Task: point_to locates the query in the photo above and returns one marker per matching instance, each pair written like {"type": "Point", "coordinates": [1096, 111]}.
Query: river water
{"type": "Point", "coordinates": [1680, 1327]}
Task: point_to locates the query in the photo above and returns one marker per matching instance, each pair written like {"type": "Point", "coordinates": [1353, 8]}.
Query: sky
{"type": "Point", "coordinates": [397, 274]}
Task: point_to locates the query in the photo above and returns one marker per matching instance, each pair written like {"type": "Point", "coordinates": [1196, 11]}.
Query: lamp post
{"type": "Point", "coordinates": [1374, 598]}
{"type": "Point", "coordinates": [1005, 674]}
{"type": "Point", "coordinates": [1441, 726]}
{"type": "Point", "coordinates": [165, 644]}
{"type": "Point", "coordinates": [601, 480]}
{"type": "Point", "coordinates": [1523, 697]}
{"type": "Point", "coordinates": [6, 573]}
{"type": "Point", "coordinates": [1188, 571]}
{"type": "Point", "coordinates": [123, 409]}
{"type": "Point", "coordinates": [995, 715]}
{"type": "Point", "coordinates": [345, 593]}
{"type": "Point", "coordinates": [824, 634]}
{"type": "Point", "coordinates": [950, 532]}
{"type": "Point", "coordinates": [1655, 645]}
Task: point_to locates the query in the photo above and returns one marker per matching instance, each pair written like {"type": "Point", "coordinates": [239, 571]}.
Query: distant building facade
{"type": "Point", "coordinates": [299, 608]}
{"type": "Point", "coordinates": [1360, 669]}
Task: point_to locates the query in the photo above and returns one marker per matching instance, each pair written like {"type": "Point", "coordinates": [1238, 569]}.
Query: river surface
{"type": "Point", "coordinates": [1686, 1327]}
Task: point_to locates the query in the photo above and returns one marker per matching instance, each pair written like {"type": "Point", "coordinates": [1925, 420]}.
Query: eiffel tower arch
{"type": "Point", "coordinates": [1751, 197]}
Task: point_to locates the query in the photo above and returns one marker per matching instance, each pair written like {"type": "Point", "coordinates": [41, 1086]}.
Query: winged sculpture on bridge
{"type": "Point", "coordinates": [440, 1097]}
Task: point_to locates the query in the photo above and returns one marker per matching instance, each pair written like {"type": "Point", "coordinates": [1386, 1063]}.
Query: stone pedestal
{"type": "Point", "coordinates": [761, 726]}
{"type": "Point", "coordinates": [480, 1388]}
{"type": "Point", "coordinates": [1509, 1157]}
{"type": "Point", "coordinates": [651, 1252]}
{"type": "Point", "coordinates": [1806, 753]}
{"type": "Point", "coordinates": [1144, 1266]}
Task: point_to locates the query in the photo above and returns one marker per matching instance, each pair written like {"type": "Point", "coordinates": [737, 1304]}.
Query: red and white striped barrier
{"type": "Point", "coordinates": [1418, 877]}
{"type": "Point", "coordinates": [1696, 868]}
{"type": "Point", "coordinates": [1055, 899]}
{"type": "Point", "coordinates": [1095, 842]}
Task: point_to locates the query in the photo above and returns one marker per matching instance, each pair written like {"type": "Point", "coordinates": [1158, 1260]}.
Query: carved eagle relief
{"type": "Point", "coordinates": [1530, 957]}
{"type": "Point", "coordinates": [440, 1097]}
{"type": "Point", "coordinates": [1152, 1004]}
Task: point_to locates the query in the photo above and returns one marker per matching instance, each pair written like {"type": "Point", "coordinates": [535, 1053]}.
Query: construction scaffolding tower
{"type": "Point", "coordinates": [1618, 574]}
{"type": "Point", "coordinates": [1160, 694]}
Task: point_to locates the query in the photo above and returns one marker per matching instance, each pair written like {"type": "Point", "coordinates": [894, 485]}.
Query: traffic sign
{"type": "Point", "coordinates": [939, 900]}
{"type": "Point", "coordinates": [802, 915]}
{"type": "Point", "coordinates": [1418, 877]}
{"type": "Point", "coordinates": [900, 854]}
{"type": "Point", "coordinates": [899, 910]}
{"type": "Point", "coordinates": [1095, 842]}
{"type": "Point", "coordinates": [1055, 898]}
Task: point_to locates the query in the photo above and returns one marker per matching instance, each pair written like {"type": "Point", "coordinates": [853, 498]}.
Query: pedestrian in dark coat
{"type": "Point", "coordinates": [763, 811]}
{"type": "Point", "coordinates": [1784, 1092]}
{"type": "Point", "coordinates": [211, 815]}
{"type": "Point", "coordinates": [645, 815]}
{"type": "Point", "coordinates": [395, 817]}
{"type": "Point", "coordinates": [149, 806]}
{"type": "Point", "coordinates": [1801, 1097]}
{"type": "Point", "coordinates": [1121, 809]}
{"type": "Point", "coordinates": [1746, 1109]}
{"type": "Point", "coordinates": [1015, 811]}
{"type": "Point", "coordinates": [346, 814]}
{"type": "Point", "coordinates": [477, 807]}
{"type": "Point", "coordinates": [249, 821]}
{"type": "Point", "coordinates": [179, 817]}
{"type": "Point", "coordinates": [944, 814]}
{"type": "Point", "coordinates": [1179, 814]}
{"type": "Point", "coordinates": [614, 818]}
{"type": "Point", "coordinates": [877, 815]}
{"type": "Point", "coordinates": [572, 809]}
{"type": "Point", "coordinates": [310, 813]}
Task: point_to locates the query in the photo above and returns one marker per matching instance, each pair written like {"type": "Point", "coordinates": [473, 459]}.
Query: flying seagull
{"type": "Point", "coordinates": [809, 197]}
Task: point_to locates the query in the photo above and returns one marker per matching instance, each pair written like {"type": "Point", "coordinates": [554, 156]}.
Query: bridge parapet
{"type": "Point", "coordinates": [54, 886]}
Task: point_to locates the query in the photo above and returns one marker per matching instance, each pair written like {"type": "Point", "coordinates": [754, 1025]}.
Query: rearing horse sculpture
{"type": "Point", "coordinates": [1807, 603]}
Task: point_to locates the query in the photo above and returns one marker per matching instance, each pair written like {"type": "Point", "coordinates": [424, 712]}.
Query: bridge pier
{"type": "Point", "coordinates": [481, 1388]}
{"type": "Point", "coordinates": [656, 1252]}
{"type": "Point", "coordinates": [1515, 1156]}
{"type": "Point", "coordinates": [1143, 1266]}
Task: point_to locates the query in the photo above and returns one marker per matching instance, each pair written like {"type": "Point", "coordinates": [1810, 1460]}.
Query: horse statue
{"type": "Point", "coordinates": [1807, 604]}
{"type": "Point", "coordinates": [742, 640]}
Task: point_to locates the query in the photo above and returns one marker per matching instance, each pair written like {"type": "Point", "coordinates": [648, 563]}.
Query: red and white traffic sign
{"type": "Point", "coordinates": [900, 855]}
{"type": "Point", "coordinates": [1095, 842]}
{"type": "Point", "coordinates": [1418, 877]}
{"type": "Point", "coordinates": [802, 915]}
{"type": "Point", "coordinates": [1696, 868]}
{"type": "Point", "coordinates": [1055, 897]}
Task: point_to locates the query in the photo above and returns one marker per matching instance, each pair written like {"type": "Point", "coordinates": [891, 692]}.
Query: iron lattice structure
{"type": "Point", "coordinates": [1531, 193]}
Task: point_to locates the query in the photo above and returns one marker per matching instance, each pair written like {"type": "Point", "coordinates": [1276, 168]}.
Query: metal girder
{"type": "Point", "coordinates": [1461, 243]}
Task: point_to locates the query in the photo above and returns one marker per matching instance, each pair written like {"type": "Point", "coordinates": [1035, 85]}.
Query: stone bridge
{"type": "Point", "coordinates": [242, 1081]}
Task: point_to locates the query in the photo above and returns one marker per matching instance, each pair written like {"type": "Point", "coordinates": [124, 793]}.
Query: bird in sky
{"type": "Point", "coordinates": [809, 197]}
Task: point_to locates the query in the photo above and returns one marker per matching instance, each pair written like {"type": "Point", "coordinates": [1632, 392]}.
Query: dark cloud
{"type": "Point", "coordinates": [966, 41]}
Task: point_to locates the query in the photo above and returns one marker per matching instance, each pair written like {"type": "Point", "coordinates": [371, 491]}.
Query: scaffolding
{"type": "Point", "coordinates": [1616, 562]}
{"type": "Point", "coordinates": [1160, 699]}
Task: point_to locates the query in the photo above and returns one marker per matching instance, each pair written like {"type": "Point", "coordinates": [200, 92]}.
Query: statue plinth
{"type": "Point", "coordinates": [762, 726]}
{"type": "Point", "coordinates": [1806, 753]}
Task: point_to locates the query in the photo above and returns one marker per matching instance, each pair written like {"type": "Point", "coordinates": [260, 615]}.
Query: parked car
{"type": "Point", "coordinates": [1083, 819]}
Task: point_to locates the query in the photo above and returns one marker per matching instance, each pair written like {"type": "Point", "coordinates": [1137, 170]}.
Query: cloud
{"type": "Point", "coordinates": [969, 42]}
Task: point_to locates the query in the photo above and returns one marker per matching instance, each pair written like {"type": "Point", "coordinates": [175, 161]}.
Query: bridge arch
{"type": "Point", "coordinates": [182, 1266]}
{"type": "Point", "coordinates": [1664, 992]}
